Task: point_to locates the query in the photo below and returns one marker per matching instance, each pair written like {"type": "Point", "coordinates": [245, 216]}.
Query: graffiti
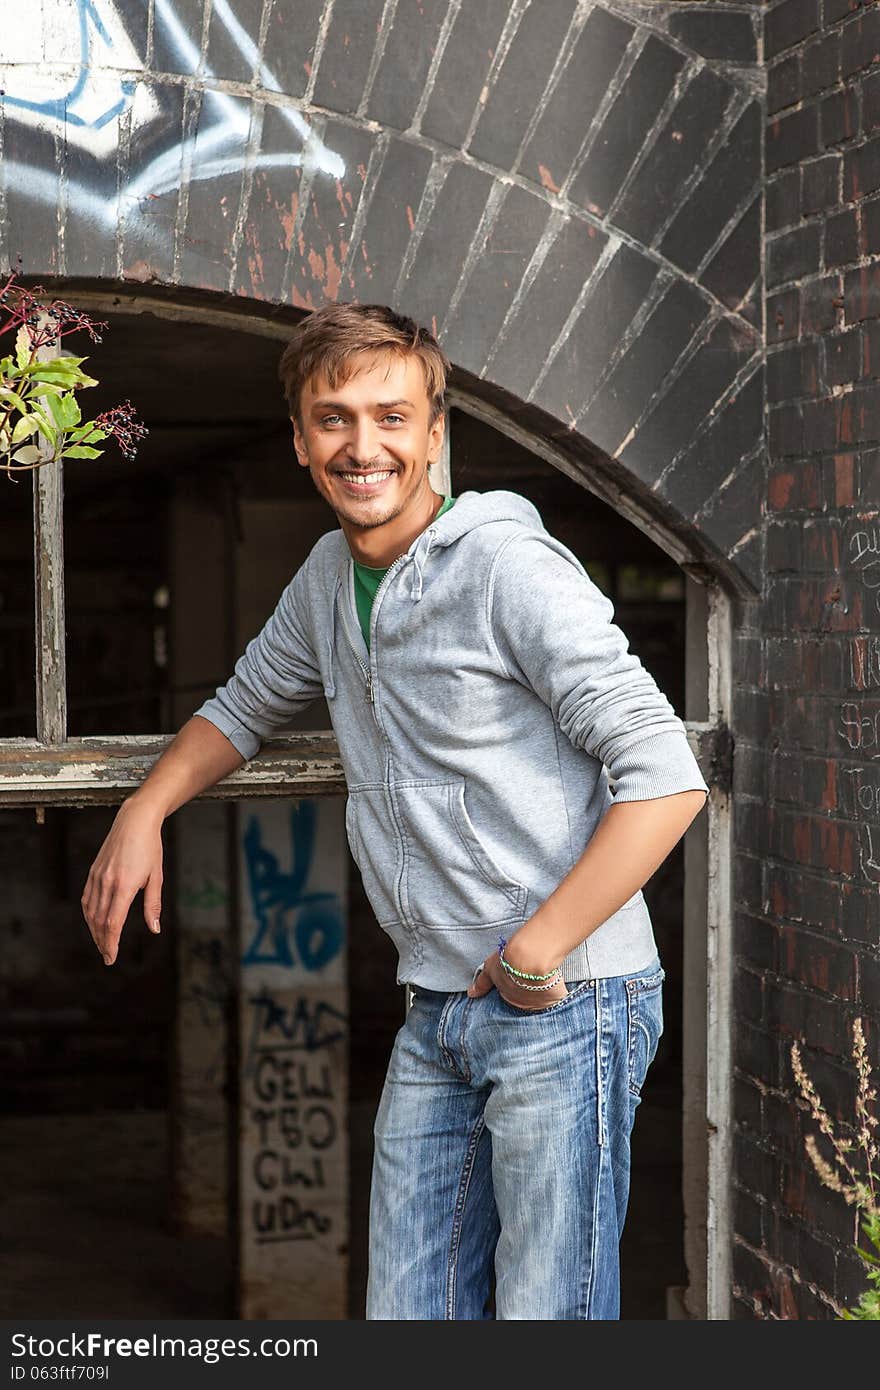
{"type": "Point", "coordinates": [864, 553]}
{"type": "Point", "coordinates": [864, 662]}
{"type": "Point", "coordinates": [91, 97]}
{"type": "Point", "coordinates": [71, 70]}
{"type": "Point", "coordinates": [295, 1138]}
{"type": "Point", "coordinates": [292, 925]}
{"type": "Point", "coordinates": [865, 789]}
{"type": "Point", "coordinates": [304, 1026]}
{"type": "Point", "coordinates": [860, 728]}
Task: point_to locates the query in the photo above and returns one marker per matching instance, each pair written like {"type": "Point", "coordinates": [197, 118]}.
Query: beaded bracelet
{"type": "Point", "coordinates": [549, 979]}
{"type": "Point", "coordinates": [549, 984]}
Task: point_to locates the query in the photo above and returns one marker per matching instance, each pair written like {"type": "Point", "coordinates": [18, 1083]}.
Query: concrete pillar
{"type": "Point", "coordinates": [293, 1001]}
{"type": "Point", "coordinates": [197, 846]}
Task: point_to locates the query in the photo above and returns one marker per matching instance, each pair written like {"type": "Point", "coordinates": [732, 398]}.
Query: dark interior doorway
{"type": "Point", "coordinates": [86, 1053]}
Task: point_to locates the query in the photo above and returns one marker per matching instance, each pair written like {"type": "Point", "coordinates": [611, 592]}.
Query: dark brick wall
{"type": "Point", "coordinates": [807, 789]}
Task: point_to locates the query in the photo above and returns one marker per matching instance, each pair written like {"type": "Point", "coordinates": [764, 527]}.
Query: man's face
{"type": "Point", "coordinates": [368, 442]}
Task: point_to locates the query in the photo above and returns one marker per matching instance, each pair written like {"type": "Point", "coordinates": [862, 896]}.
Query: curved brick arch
{"type": "Point", "coordinates": [567, 192]}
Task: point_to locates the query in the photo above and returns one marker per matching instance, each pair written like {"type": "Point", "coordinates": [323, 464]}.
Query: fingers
{"type": "Point", "coordinates": [105, 904]}
{"type": "Point", "coordinates": [129, 860]}
{"type": "Point", "coordinates": [481, 983]}
{"type": "Point", "coordinates": [153, 902]}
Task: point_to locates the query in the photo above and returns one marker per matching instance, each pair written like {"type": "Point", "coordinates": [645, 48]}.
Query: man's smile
{"type": "Point", "coordinates": [366, 484]}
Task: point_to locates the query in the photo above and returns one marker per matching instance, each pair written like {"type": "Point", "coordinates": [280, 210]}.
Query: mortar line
{"type": "Point", "coordinates": [318, 51]}
{"type": "Point", "coordinates": [732, 113]}
{"type": "Point", "coordinates": [505, 39]}
{"type": "Point", "coordinates": [652, 300]}
{"type": "Point", "coordinates": [555, 223]}
{"type": "Point", "coordinates": [576, 25]}
{"type": "Point", "coordinates": [742, 378]}
{"type": "Point", "coordinates": [254, 139]}
{"type": "Point", "coordinates": [386, 24]}
{"type": "Point", "coordinates": [630, 57]}
{"type": "Point", "coordinates": [491, 209]}
{"type": "Point", "coordinates": [374, 171]}
{"type": "Point", "coordinates": [437, 175]}
{"type": "Point", "coordinates": [436, 58]}
{"type": "Point", "coordinates": [682, 82]}
{"type": "Point", "coordinates": [606, 256]}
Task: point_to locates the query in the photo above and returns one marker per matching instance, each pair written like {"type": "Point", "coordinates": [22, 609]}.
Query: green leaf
{"type": "Point", "coordinates": [87, 434]}
{"type": "Point", "coordinates": [14, 397]}
{"type": "Point", "coordinates": [82, 451]}
{"type": "Point", "coordinates": [46, 425]}
{"type": "Point", "coordinates": [51, 371]}
{"type": "Point", "coordinates": [6, 367]}
{"type": "Point", "coordinates": [27, 425]}
{"type": "Point", "coordinates": [29, 454]}
{"type": "Point", "coordinates": [65, 410]}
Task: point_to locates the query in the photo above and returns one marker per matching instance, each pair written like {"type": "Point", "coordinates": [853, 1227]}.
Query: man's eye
{"type": "Point", "coordinates": [395, 419]}
{"type": "Point", "coordinates": [330, 419]}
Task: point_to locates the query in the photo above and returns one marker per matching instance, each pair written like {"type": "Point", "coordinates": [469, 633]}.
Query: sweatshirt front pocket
{"type": "Point", "coordinates": [375, 847]}
{"type": "Point", "coordinates": [449, 878]}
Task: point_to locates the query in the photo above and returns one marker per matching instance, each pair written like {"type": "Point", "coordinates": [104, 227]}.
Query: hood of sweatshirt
{"type": "Point", "coordinates": [471, 509]}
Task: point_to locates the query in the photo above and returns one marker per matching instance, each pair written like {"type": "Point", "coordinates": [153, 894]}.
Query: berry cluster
{"type": "Point", "coordinates": [45, 323]}
{"type": "Point", "coordinates": [121, 423]}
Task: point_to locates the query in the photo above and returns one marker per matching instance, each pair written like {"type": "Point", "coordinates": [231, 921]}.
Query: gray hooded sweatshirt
{"type": "Point", "coordinates": [478, 733]}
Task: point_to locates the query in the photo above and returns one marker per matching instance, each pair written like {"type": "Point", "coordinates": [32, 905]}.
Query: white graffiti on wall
{"type": "Point", "coordinates": [77, 49]}
{"type": "Point", "coordinates": [69, 67]}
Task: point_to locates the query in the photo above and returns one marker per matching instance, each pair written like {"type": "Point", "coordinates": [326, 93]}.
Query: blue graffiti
{"type": "Point", "coordinates": [291, 924]}
{"type": "Point", "coordinates": [59, 108]}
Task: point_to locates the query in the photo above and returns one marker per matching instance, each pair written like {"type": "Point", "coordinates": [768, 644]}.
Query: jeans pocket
{"type": "Point", "coordinates": [580, 988]}
{"type": "Point", "coordinates": [644, 997]}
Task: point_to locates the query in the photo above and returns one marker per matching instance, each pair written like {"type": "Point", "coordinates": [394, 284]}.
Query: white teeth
{"type": "Point", "coordinates": [365, 478]}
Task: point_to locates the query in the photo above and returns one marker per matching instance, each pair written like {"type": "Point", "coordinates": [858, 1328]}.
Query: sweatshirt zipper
{"type": "Point", "coordinates": [367, 670]}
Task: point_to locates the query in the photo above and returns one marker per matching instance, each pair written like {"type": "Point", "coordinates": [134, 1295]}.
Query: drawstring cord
{"type": "Point", "coordinates": [420, 558]}
{"type": "Point", "coordinates": [330, 684]}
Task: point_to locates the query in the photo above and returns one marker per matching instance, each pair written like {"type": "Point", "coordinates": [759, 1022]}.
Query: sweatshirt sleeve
{"type": "Point", "coordinates": [553, 631]}
{"type": "Point", "coordinates": [276, 676]}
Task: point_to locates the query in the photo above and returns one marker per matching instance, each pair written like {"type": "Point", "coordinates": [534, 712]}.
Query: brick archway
{"type": "Point", "coordinates": [569, 196]}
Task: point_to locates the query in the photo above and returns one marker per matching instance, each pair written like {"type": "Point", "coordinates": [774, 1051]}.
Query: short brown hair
{"type": "Point", "coordinates": [329, 338]}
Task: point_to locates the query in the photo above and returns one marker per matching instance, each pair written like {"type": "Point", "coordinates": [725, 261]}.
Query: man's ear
{"type": "Point", "coordinates": [299, 444]}
{"type": "Point", "coordinates": [435, 438]}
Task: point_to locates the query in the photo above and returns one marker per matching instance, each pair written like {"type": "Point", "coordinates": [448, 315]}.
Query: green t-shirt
{"type": "Point", "coordinates": [367, 581]}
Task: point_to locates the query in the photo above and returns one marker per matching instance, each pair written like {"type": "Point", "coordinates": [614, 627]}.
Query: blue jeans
{"type": "Point", "coordinates": [502, 1138]}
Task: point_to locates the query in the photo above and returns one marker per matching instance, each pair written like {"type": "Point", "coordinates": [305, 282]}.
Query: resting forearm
{"type": "Point", "coordinates": [197, 758]}
{"type": "Point", "coordinates": [630, 843]}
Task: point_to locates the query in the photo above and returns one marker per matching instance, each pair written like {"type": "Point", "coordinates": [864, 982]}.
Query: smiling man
{"type": "Point", "coordinates": [514, 777]}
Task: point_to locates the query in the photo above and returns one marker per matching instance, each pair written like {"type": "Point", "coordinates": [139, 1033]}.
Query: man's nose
{"type": "Point", "coordinates": [362, 445]}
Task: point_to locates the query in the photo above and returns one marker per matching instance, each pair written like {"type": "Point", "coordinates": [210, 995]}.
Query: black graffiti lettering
{"type": "Point", "coordinates": [279, 1077]}
{"type": "Point", "coordinates": [265, 1170]}
{"type": "Point", "coordinates": [263, 1215]}
{"type": "Point", "coordinates": [273, 1170]}
{"type": "Point", "coordinates": [320, 1126]}
{"type": "Point", "coordinates": [295, 1217]}
{"type": "Point", "coordinates": [290, 1126]}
